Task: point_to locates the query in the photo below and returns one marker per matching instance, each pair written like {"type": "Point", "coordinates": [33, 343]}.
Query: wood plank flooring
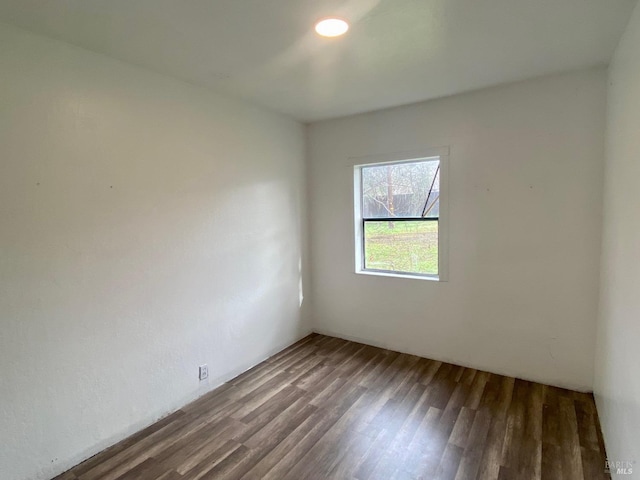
{"type": "Point", "coordinates": [326, 408]}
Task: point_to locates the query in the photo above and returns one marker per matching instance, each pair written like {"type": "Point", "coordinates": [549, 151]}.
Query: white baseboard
{"type": "Point", "coordinates": [141, 425]}
{"type": "Point", "coordinates": [395, 348]}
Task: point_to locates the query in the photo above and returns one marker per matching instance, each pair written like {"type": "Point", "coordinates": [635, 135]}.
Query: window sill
{"type": "Point", "coordinates": [431, 278]}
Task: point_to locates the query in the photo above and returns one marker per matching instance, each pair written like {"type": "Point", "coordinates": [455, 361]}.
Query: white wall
{"type": "Point", "coordinates": [617, 380]}
{"type": "Point", "coordinates": [146, 227]}
{"type": "Point", "coordinates": [524, 235]}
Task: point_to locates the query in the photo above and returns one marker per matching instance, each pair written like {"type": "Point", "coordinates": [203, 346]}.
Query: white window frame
{"type": "Point", "coordinates": [441, 154]}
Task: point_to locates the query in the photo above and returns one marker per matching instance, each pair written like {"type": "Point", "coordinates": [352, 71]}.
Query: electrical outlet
{"type": "Point", "coordinates": [203, 372]}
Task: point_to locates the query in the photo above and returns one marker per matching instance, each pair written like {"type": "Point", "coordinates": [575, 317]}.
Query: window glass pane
{"type": "Point", "coordinates": [402, 246]}
{"type": "Point", "coordinates": [401, 190]}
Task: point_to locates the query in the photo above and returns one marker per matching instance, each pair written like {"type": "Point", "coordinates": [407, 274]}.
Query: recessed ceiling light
{"type": "Point", "coordinates": [332, 27]}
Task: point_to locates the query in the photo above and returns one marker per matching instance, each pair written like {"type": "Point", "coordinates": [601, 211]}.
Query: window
{"type": "Point", "coordinates": [398, 217]}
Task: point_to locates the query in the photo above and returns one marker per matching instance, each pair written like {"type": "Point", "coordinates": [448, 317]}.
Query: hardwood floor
{"type": "Point", "coordinates": [326, 408]}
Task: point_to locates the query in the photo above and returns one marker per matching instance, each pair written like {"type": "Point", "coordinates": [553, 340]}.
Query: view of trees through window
{"type": "Point", "coordinates": [400, 211]}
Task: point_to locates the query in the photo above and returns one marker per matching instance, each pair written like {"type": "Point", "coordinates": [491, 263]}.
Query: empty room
{"type": "Point", "coordinates": [308, 240]}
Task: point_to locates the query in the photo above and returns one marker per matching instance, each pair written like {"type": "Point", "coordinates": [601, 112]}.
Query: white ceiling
{"type": "Point", "coordinates": [397, 51]}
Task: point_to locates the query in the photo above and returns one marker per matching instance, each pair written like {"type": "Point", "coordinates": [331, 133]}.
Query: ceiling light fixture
{"type": "Point", "coordinates": [331, 27]}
